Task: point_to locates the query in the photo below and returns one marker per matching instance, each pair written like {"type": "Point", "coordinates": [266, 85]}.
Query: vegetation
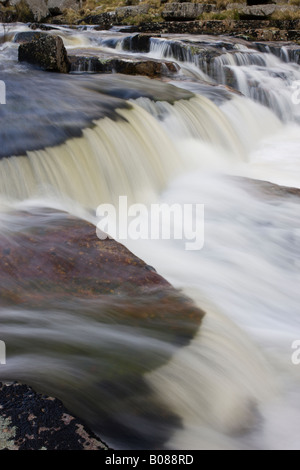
{"type": "Point", "coordinates": [22, 13]}
{"type": "Point", "coordinates": [224, 15]}
{"type": "Point", "coordinates": [286, 15]}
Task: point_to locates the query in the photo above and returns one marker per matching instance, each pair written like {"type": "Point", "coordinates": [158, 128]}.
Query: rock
{"type": "Point", "coordinates": [257, 12]}
{"type": "Point", "coordinates": [30, 421]}
{"type": "Point", "coordinates": [286, 8]}
{"type": "Point", "coordinates": [234, 6]}
{"type": "Point", "coordinates": [259, 2]}
{"type": "Point", "coordinates": [28, 36]}
{"type": "Point", "coordinates": [103, 20]}
{"type": "Point", "coordinates": [138, 43]}
{"type": "Point", "coordinates": [90, 312]}
{"type": "Point", "coordinates": [278, 30]}
{"type": "Point", "coordinates": [47, 52]}
{"type": "Point", "coordinates": [43, 8]}
{"type": "Point", "coordinates": [43, 27]}
{"type": "Point", "coordinates": [186, 11]}
{"type": "Point", "coordinates": [148, 68]}
{"type": "Point", "coordinates": [131, 11]}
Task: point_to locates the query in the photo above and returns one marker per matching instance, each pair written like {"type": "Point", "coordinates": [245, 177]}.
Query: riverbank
{"type": "Point", "coordinates": [280, 22]}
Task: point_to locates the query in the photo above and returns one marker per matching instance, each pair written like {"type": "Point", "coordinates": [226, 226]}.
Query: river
{"type": "Point", "coordinates": [210, 134]}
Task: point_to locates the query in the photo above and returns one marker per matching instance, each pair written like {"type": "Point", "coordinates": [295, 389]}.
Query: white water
{"type": "Point", "coordinates": [235, 385]}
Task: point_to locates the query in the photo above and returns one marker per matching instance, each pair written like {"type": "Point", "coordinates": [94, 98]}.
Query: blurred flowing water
{"type": "Point", "coordinates": [73, 142]}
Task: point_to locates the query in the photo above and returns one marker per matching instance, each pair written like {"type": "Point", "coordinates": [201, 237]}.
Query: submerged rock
{"type": "Point", "coordinates": [47, 52]}
{"type": "Point", "coordinates": [30, 421]}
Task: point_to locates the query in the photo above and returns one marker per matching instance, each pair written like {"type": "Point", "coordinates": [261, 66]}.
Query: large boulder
{"type": "Point", "coordinates": [257, 12]}
{"type": "Point", "coordinates": [123, 13]}
{"type": "Point", "coordinates": [86, 321]}
{"type": "Point", "coordinates": [44, 8]}
{"type": "Point", "coordinates": [186, 11]}
{"type": "Point", "coordinates": [47, 52]}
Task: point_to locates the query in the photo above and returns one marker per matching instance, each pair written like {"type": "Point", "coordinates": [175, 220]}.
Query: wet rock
{"type": "Point", "coordinates": [78, 299]}
{"type": "Point", "coordinates": [28, 36]}
{"type": "Point", "coordinates": [61, 257]}
{"type": "Point", "coordinates": [43, 27]}
{"type": "Point", "coordinates": [30, 421]}
{"type": "Point", "coordinates": [257, 12]}
{"type": "Point", "coordinates": [148, 68]}
{"type": "Point", "coordinates": [186, 11]}
{"type": "Point", "coordinates": [138, 43]}
{"type": "Point", "coordinates": [47, 52]}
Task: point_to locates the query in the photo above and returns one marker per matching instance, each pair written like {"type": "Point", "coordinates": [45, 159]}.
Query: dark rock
{"type": "Point", "coordinates": [148, 68]}
{"type": "Point", "coordinates": [103, 20]}
{"type": "Point", "coordinates": [271, 30]}
{"type": "Point", "coordinates": [28, 36]}
{"type": "Point", "coordinates": [138, 43]}
{"type": "Point", "coordinates": [48, 53]}
{"type": "Point", "coordinates": [43, 27]}
{"type": "Point", "coordinates": [185, 11]}
{"type": "Point", "coordinates": [30, 421]}
{"type": "Point", "coordinates": [8, 16]}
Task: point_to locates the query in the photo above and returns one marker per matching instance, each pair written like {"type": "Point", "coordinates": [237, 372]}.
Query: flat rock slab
{"type": "Point", "coordinates": [31, 421]}
{"type": "Point", "coordinates": [85, 321]}
{"type": "Point", "coordinates": [186, 11]}
{"type": "Point", "coordinates": [143, 67]}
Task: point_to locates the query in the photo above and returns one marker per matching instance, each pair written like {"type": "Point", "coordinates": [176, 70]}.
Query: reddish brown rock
{"type": "Point", "coordinates": [85, 321]}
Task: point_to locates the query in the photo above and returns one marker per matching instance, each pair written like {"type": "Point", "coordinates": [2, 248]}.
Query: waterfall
{"type": "Point", "coordinates": [213, 134]}
{"type": "Point", "coordinates": [263, 77]}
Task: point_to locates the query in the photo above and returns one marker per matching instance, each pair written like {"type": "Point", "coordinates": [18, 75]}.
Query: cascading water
{"type": "Point", "coordinates": [187, 141]}
{"type": "Point", "coordinates": [260, 76]}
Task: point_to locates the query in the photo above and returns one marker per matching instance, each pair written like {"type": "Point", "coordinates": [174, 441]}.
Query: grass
{"type": "Point", "coordinates": [224, 15]}
{"type": "Point", "coordinates": [145, 18]}
{"type": "Point", "coordinates": [286, 15]}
